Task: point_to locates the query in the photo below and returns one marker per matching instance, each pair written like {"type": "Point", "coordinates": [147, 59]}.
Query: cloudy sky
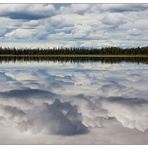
{"type": "Point", "coordinates": [52, 25]}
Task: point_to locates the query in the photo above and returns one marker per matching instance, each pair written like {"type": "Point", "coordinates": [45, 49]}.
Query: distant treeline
{"type": "Point", "coordinates": [75, 51]}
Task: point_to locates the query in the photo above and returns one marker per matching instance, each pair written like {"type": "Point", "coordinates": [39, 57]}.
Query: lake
{"type": "Point", "coordinates": [85, 102]}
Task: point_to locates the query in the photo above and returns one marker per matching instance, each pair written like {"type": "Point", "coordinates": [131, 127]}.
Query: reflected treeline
{"type": "Point", "coordinates": [14, 59]}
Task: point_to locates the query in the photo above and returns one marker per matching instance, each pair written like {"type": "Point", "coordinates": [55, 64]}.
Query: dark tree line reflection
{"type": "Point", "coordinates": [14, 59]}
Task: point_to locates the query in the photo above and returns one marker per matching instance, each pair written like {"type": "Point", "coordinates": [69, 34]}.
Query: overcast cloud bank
{"type": "Point", "coordinates": [56, 25]}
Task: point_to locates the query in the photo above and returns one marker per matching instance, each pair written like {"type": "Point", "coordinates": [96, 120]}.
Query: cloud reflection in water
{"type": "Point", "coordinates": [71, 102]}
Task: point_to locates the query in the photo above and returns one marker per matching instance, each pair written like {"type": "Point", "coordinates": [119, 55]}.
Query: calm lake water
{"type": "Point", "coordinates": [73, 103]}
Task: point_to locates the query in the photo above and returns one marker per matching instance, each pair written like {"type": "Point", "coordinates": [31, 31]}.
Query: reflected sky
{"type": "Point", "coordinates": [73, 103]}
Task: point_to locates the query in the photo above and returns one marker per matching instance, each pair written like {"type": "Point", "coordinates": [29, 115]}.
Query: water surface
{"type": "Point", "coordinates": [73, 103]}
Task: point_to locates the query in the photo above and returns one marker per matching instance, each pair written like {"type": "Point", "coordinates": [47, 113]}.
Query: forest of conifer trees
{"type": "Point", "coordinates": [75, 51]}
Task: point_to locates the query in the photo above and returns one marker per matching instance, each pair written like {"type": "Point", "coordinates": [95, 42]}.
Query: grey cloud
{"type": "Point", "coordinates": [131, 112]}
{"type": "Point", "coordinates": [5, 31]}
{"type": "Point", "coordinates": [57, 118]}
{"type": "Point", "coordinates": [24, 16]}
{"type": "Point", "coordinates": [27, 93]}
{"type": "Point", "coordinates": [12, 111]}
{"type": "Point", "coordinates": [119, 8]}
{"type": "Point", "coordinates": [114, 21]}
{"type": "Point", "coordinates": [27, 11]}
